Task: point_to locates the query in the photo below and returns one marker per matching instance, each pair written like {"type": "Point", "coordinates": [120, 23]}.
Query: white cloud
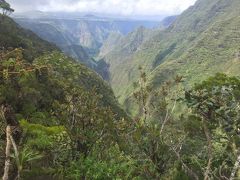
{"type": "Point", "coordinates": [122, 7]}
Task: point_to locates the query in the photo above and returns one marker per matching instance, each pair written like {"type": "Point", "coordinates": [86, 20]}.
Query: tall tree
{"type": "Point", "coordinates": [6, 8]}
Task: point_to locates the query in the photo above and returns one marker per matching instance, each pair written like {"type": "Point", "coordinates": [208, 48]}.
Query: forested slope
{"type": "Point", "coordinates": [45, 95]}
{"type": "Point", "coordinates": [12, 35]}
{"type": "Point", "coordinates": [209, 29]}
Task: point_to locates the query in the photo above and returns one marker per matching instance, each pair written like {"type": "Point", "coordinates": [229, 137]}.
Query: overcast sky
{"type": "Point", "coordinates": [121, 7]}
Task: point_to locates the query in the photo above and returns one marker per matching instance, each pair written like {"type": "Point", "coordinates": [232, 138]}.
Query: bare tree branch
{"type": "Point", "coordinates": [167, 117]}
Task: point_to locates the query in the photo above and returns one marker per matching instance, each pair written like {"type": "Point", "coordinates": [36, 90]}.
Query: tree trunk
{"type": "Point", "coordinates": [7, 153]}
{"type": "Point", "coordinates": [210, 156]}
{"type": "Point", "coordinates": [17, 157]}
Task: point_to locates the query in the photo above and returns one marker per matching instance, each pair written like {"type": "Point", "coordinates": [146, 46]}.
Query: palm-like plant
{"type": "Point", "coordinates": [25, 156]}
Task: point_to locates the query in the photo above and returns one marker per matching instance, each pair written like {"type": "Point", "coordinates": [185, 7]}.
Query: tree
{"type": "Point", "coordinates": [12, 68]}
{"type": "Point", "coordinates": [6, 8]}
{"type": "Point", "coordinates": [155, 132]}
{"type": "Point", "coordinates": [216, 103]}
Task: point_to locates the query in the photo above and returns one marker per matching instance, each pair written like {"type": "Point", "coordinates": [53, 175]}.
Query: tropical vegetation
{"type": "Point", "coordinates": [179, 118]}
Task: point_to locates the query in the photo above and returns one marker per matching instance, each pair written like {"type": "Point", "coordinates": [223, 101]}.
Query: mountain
{"type": "Point", "coordinates": [118, 56]}
{"type": "Point", "coordinates": [88, 31]}
{"type": "Point", "coordinates": [213, 44]}
{"type": "Point", "coordinates": [80, 36]}
{"type": "Point", "coordinates": [201, 41]}
{"type": "Point", "coordinates": [116, 39]}
{"type": "Point", "coordinates": [55, 35]}
{"type": "Point", "coordinates": [166, 22]}
{"type": "Point", "coordinates": [12, 35]}
{"type": "Point", "coordinates": [118, 47]}
{"type": "Point", "coordinates": [113, 39]}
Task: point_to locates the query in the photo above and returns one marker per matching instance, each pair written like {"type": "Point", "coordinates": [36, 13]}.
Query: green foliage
{"type": "Point", "coordinates": [25, 157]}
{"type": "Point", "coordinates": [215, 105]}
{"type": "Point", "coordinates": [13, 36]}
{"type": "Point", "coordinates": [68, 109]}
{"type": "Point", "coordinates": [116, 166]}
{"type": "Point", "coordinates": [41, 136]}
{"type": "Point", "coordinates": [217, 100]}
{"type": "Point", "coordinates": [154, 131]}
{"type": "Point", "coordinates": [73, 127]}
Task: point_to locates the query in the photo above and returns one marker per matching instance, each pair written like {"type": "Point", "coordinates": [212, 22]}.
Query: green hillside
{"type": "Point", "coordinates": [12, 35]}
{"type": "Point", "coordinates": [110, 43]}
{"type": "Point", "coordinates": [118, 42]}
{"type": "Point", "coordinates": [217, 50]}
{"type": "Point", "coordinates": [203, 40]}
{"type": "Point", "coordinates": [119, 58]}
{"type": "Point", "coordinates": [43, 98]}
{"type": "Point", "coordinates": [51, 32]}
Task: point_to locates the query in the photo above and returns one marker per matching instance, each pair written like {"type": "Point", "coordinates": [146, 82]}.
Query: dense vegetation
{"type": "Point", "coordinates": [61, 126]}
{"type": "Point", "coordinates": [45, 103]}
{"type": "Point", "coordinates": [60, 120]}
{"type": "Point", "coordinates": [13, 36]}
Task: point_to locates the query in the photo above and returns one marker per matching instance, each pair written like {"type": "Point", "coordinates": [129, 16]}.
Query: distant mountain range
{"type": "Point", "coordinates": [77, 15]}
{"type": "Point", "coordinates": [89, 31]}
{"type": "Point", "coordinates": [82, 36]}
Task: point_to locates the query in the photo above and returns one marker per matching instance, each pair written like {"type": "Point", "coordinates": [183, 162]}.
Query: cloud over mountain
{"type": "Point", "coordinates": [121, 7]}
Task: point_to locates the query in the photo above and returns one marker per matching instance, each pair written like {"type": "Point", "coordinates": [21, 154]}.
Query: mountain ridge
{"type": "Point", "coordinates": [158, 55]}
{"type": "Point", "coordinates": [12, 35]}
{"type": "Point", "coordinates": [89, 33]}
